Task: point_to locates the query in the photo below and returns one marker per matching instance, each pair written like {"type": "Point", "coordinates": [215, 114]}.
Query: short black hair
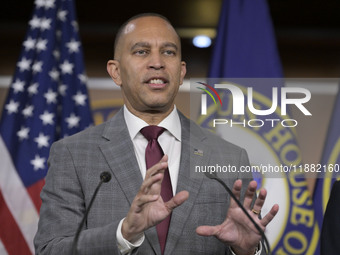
{"type": "Point", "coordinates": [146, 14]}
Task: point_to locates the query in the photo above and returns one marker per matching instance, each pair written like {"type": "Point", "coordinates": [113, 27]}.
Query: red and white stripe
{"type": "Point", "coordinates": [18, 214]}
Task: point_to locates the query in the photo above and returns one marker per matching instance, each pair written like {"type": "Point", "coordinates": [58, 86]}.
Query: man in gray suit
{"type": "Point", "coordinates": [147, 66]}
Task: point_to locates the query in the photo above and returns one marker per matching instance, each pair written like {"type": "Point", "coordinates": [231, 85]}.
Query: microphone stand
{"type": "Point", "coordinates": [104, 177]}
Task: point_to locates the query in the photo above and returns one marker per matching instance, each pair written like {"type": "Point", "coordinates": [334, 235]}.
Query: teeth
{"type": "Point", "coordinates": [156, 81]}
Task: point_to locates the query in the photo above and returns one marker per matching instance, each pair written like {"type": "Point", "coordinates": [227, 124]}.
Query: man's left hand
{"type": "Point", "coordinates": [237, 230]}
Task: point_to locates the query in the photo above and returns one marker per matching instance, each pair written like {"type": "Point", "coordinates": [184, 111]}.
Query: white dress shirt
{"type": "Point", "coordinates": [169, 140]}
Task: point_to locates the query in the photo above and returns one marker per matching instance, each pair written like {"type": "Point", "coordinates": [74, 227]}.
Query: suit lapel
{"type": "Point", "coordinates": [191, 139]}
{"type": "Point", "coordinates": [120, 156]}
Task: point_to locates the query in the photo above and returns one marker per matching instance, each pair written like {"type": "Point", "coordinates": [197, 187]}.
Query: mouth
{"type": "Point", "coordinates": [157, 82]}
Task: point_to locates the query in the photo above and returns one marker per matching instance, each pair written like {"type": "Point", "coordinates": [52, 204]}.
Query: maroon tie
{"type": "Point", "coordinates": [153, 154]}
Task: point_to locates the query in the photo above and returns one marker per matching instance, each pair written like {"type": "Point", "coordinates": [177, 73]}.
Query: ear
{"type": "Point", "coordinates": [183, 71]}
{"type": "Point", "coordinates": [114, 71]}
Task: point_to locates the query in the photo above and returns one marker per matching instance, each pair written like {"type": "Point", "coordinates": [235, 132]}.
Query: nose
{"type": "Point", "coordinates": [156, 61]}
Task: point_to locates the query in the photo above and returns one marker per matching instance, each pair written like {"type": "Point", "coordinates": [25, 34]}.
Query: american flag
{"type": "Point", "coordinates": [47, 100]}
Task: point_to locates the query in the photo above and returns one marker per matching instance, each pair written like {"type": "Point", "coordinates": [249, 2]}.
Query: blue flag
{"type": "Point", "coordinates": [245, 46]}
{"type": "Point", "coordinates": [47, 100]}
{"type": "Point", "coordinates": [331, 160]}
{"type": "Point", "coordinates": [245, 55]}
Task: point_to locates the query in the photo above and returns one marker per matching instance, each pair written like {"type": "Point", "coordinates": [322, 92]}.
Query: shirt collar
{"type": "Point", "coordinates": [171, 123]}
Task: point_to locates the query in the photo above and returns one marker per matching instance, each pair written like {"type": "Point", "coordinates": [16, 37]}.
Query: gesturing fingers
{"type": "Point", "coordinates": [269, 216]}
{"type": "Point", "coordinates": [149, 184]}
{"type": "Point", "coordinates": [236, 191]}
{"type": "Point", "coordinates": [249, 196]}
{"type": "Point", "coordinates": [157, 168]}
{"type": "Point", "coordinates": [177, 200]}
{"type": "Point", "coordinates": [259, 202]}
{"type": "Point", "coordinates": [154, 177]}
{"type": "Point", "coordinates": [207, 230]}
{"type": "Point", "coordinates": [144, 199]}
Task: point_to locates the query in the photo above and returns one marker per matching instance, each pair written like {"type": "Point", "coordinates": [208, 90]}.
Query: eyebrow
{"type": "Point", "coordinates": [147, 45]}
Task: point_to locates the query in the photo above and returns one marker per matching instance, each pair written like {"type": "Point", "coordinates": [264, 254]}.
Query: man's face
{"type": "Point", "coordinates": [148, 65]}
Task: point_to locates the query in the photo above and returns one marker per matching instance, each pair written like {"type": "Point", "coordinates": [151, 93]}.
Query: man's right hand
{"type": "Point", "coordinates": [148, 207]}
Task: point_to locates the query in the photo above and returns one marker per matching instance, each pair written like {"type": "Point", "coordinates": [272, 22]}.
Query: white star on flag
{"type": "Point", "coordinates": [66, 67]}
{"type": "Point", "coordinates": [47, 118]}
{"type": "Point", "coordinates": [37, 67]}
{"type": "Point", "coordinates": [56, 54]}
{"type": "Point", "coordinates": [62, 15]}
{"type": "Point", "coordinates": [18, 86]}
{"type": "Point", "coordinates": [38, 163]}
{"type": "Point", "coordinates": [29, 44]}
{"type": "Point", "coordinates": [72, 121]}
{"type": "Point", "coordinates": [45, 24]}
{"type": "Point", "coordinates": [39, 3]}
{"type": "Point", "coordinates": [24, 64]}
{"type": "Point", "coordinates": [75, 25]}
{"type": "Point", "coordinates": [54, 74]}
{"type": "Point", "coordinates": [73, 46]}
{"type": "Point", "coordinates": [62, 89]}
{"type": "Point", "coordinates": [51, 96]}
{"type": "Point", "coordinates": [79, 98]}
{"type": "Point", "coordinates": [28, 111]}
{"type": "Point", "coordinates": [41, 45]}
{"type": "Point", "coordinates": [12, 107]}
{"type": "Point", "coordinates": [35, 22]}
{"type": "Point", "coordinates": [82, 78]}
{"type": "Point", "coordinates": [49, 4]}
{"type": "Point", "coordinates": [33, 89]}
{"type": "Point", "coordinates": [23, 133]}
{"type": "Point", "coordinates": [42, 140]}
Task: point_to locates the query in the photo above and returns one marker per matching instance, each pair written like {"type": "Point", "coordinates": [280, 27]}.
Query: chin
{"type": "Point", "coordinates": [159, 107]}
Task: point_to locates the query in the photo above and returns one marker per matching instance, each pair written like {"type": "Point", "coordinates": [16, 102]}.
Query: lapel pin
{"type": "Point", "coordinates": [198, 152]}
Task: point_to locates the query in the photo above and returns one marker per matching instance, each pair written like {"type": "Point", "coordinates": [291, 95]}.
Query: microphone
{"type": "Point", "coordinates": [214, 177]}
{"type": "Point", "coordinates": [104, 177]}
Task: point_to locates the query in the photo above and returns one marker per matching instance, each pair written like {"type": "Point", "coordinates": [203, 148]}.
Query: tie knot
{"type": "Point", "coordinates": [152, 132]}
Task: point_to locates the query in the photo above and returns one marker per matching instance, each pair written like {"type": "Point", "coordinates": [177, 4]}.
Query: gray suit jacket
{"type": "Point", "coordinates": [75, 164]}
